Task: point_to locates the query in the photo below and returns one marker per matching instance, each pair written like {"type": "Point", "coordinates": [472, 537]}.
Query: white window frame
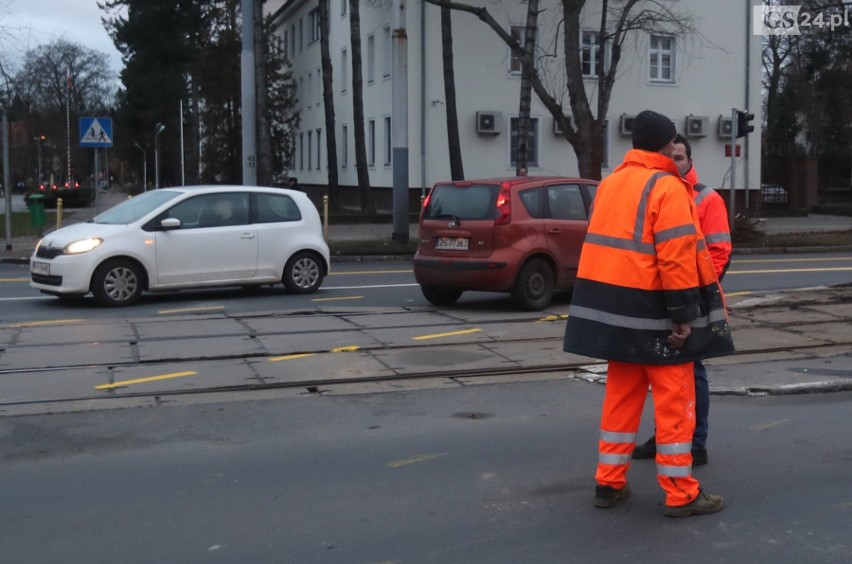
{"type": "Point", "coordinates": [310, 147]}
{"type": "Point", "coordinates": [515, 66]}
{"type": "Point", "coordinates": [533, 152]}
{"type": "Point", "coordinates": [589, 67]}
{"type": "Point", "coordinates": [301, 35]}
{"type": "Point", "coordinates": [319, 88]}
{"type": "Point", "coordinates": [371, 58]}
{"type": "Point", "coordinates": [301, 151]}
{"type": "Point", "coordinates": [387, 50]}
{"type": "Point", "coordinates": [388, 141]}
{"type": "Point", "coordinates": [344, 70]}
{"type": "Point", "coordinates": [371, 142]}
{"type": "Point", "coordinates": [344, 4]}
{"type": "Point", "coordinates": [344, 146]}
{"type": "Point", "coordinates": [313, 26]}
{"type": "Point", "coordinates": [656, 55]}
{"type": "Point", "coordinates": [319, 148]}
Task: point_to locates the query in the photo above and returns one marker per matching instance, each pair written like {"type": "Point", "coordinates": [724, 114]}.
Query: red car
{"type": "Point", "coordinates": [521, 235]}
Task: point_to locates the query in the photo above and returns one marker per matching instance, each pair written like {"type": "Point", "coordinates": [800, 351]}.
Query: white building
{"type": "Point", "coordinates": [701, 77]}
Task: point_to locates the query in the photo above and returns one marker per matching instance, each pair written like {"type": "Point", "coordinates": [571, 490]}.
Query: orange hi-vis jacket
{"type": "Point", "coordinates": [713, 219]}
{"type": "Point", "coordinates": [644, 266]}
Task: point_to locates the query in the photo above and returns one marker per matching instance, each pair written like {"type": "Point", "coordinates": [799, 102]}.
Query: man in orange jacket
{"type": "Point", "coordinates": [647, 300]}
{"type": "Point", "coordinates": [713, 219]}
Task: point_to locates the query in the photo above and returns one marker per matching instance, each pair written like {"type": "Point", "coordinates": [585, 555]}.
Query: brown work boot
{"type": "Point", "coordinates": [703, 504]}
{"type": "Point", "coordinates": [607, 496]}
{"type": "Point", "coordinates": [645, 450]}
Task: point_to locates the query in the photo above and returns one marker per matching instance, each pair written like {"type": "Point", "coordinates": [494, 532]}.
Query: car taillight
{"type": "Point", "coordinates": [504, 206]}
{"type": "Point", "coordinates": [425, 203]}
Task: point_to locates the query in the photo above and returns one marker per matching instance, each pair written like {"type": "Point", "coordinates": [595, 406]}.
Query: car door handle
{"type": "Point", "coordinates": [247, 236]}
{"type": "Point", "coordinates": [554, 231]}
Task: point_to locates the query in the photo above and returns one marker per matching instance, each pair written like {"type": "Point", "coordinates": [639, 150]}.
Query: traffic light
{"type": "Point", "coordinates": [743, 125]}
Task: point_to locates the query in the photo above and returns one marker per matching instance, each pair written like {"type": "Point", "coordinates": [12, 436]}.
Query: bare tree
{"type": "Point", "coordinates": [453, 143]}
{"type": "Point", "coordinates": [358, 108]}
{"type": "Point", "coordinates": [328, 103]}
{"type": "Point", "coordinates": [264, 144]}
{"type": "Point", "coordinates": [522, 149]}
{"type": "Point", "coordinates": [618, 20]}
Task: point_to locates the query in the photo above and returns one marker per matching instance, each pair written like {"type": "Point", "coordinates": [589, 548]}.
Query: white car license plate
{"type": "Point", "coordinates": [452, 243]}
{"type": "Point", "coordinates": [42, 268]}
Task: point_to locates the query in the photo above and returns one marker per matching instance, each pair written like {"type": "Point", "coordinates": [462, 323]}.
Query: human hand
{"type": "Point", "coordinates": [680, 333]}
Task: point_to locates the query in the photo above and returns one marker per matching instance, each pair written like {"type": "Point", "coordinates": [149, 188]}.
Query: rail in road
{"type": "Point", "coordinates": [328, 350]}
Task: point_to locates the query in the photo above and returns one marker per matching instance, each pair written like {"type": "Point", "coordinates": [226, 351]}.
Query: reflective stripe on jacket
{"type": "Point", "coordinates": [642, 267]}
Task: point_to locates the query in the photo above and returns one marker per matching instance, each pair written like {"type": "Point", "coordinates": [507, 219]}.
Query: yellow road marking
{"type": "Point", "coordinates": [290, 357]}
{"type": "Point", "coordinates": [350, 348]}
{"type": "Point", "coordinates": [552, 318]}
{"type": "Point", "coordinates": [789, 270]}
{"type": "Point", "coordinates": [189, 309]}
{"type": "Point", "coordinates": [14, 279]}
{"type": "Point", "coordinates": [451, 334]}
{"type": "Point", "coordinates": [770, 425]}
{"type": "Point", "coordinates": [372, 272]}
{"type": "Point", "coordinates": [732, 294]}
{"type": "Point", "coordinates": [144, 380]}
{"type": "Point", "coordinates": [789, 260]}
{"type": "Point", "coordinates": [338, 299]}
{"type": "Point", "coordinates": [415, 459]}
{"type": "Point", "coordinates": [42, 323]}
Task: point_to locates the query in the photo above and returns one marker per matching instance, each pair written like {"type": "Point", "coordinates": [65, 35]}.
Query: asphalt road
{"type": "Point", "coordinates": [498, 473]}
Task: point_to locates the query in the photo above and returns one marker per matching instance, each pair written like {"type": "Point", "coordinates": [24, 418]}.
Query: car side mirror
{"type": "Point", "coordinates": [170, 223]}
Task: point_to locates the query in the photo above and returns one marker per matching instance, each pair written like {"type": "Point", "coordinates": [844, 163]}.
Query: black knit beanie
{"type": "Point", "coordinates": [652, 131]}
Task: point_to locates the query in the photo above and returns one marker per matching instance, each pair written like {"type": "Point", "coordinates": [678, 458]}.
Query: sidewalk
{"type": "Point", "coordinates": [22, 247]}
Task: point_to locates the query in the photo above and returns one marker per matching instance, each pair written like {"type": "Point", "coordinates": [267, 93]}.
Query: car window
{"type": "Point", "coordinates": [211, 210]}
{"type": "Point", "coordinates": [533, 200]}
{"type": "Point", "coordinates": [566, 202]}
{"type": "Point", "coordinates": [274, 208]}
{"type": "Point", "coordinates": [462, 202]}
{"type": "Point", "coordinates": [135, 208]}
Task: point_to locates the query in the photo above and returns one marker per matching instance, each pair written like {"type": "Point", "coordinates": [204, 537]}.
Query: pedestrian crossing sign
{"type": "Point", "coordinates": [95, 132]}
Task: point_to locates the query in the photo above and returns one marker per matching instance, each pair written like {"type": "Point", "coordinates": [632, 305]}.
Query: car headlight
{"type": "Point", "coordinates": [82, 246]}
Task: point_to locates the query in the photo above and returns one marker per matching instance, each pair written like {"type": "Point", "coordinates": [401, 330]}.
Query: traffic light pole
{"type": "Point", "coordinates": [731, 212]}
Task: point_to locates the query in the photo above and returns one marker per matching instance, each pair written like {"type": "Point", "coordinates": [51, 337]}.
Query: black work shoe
{"type": "Point", "coordinates": [607, 496]}
{"type": "Point", "coordinates": [648, 449]}
{"type": "Point", "coordinates": [704, 504]}
{"type": "Point", "coordinates": [699, 456]}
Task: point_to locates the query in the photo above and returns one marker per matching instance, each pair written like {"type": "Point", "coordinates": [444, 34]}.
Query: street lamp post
{"type": "Point", "coordinates": [144, 167]}
{"type": "Point", "coordinates": [157, 131]}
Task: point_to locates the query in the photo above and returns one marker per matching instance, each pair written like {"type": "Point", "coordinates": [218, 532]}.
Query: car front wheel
{"type": "Point", "coordinates": [534, 289]}
{"type": "Point", "coordinates": [117, 283]}
{"type": "Point", "coordinates": [303, 273]}
{"type": "Point", "coordinates": [440, 295]}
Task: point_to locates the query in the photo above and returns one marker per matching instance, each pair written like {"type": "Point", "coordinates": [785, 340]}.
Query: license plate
{"type": "Point", "coordinates": [452, 243]}
{"type": "Point", "coordinates": [42, 268]}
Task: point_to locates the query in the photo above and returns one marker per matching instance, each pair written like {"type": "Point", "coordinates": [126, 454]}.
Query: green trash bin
{"type": "Point", "coordinates": [36, 205]}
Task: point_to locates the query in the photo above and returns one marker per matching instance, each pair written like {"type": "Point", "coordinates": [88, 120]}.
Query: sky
{"type": "Point", "coordinates": [35, 22]}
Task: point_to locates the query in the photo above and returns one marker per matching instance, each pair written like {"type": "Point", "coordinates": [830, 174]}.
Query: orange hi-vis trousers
{"type": "Point", "coordinates": [673, 390]}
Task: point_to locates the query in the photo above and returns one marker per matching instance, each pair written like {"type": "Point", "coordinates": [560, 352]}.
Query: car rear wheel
{"type": "Point", "coordinates": [441, 295]}
{"type": "Point", "coordinates": [117, 283]}
{"type": "Point", "coordinates": [534, 288]}
{"type": "Point", "coordinates": [303, 273]}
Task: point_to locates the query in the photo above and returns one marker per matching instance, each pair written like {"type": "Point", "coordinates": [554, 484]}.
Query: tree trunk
{"type": "Point", "coordinates": [527, 69]}
{"type": "Point", "coordinates": [453, 143]}
{"type": "Point", "coordinates": [328, 103]}
{"type": "Point", "coordinates": [358, 110]}
{"type": "Point", "coordinates": [264, 144]}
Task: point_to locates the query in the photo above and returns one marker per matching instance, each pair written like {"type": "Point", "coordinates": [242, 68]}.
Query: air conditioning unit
{"type": "Point", "coordinates": [627, 124]}
{"type": "Point", "coordinates": [697, 126]}
{"type": "Point", "coordinates": [489, 122]}
{"type": "Point", "coordinates": [557, 127]}
{"type": "Point", "coordinates": [725, 127]}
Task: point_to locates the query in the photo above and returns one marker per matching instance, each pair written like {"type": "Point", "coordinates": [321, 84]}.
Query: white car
{"type": "Point", "coordinates": [186, 237]}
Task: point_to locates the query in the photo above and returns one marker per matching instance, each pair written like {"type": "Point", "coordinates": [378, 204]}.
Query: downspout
{"type": "Point", "coordinates": [422, 99]}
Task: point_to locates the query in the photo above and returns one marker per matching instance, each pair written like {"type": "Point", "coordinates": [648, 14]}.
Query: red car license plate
{"type": "Point", "coordinates": [452, 243]}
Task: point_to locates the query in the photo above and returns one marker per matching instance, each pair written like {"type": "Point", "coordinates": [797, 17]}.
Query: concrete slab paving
{"type": "Point", "coordinates": [79, 354]}
{"type": "Point", "coordinates": [325, 366]}
{"type": "Point", "coordinates": [450, 357]}
{"type": "Point", "coordinates": [759, 338]}
{"type": "Point", "coordinates": [179, 328]}
{"type": "Point", "coordinates": [228, 345]}
{"type": "Point", "coordinates": [83, 332]}
{"type": "Point", "coordinates": [52, 385]}
{"type": "Point", "coordinates": [277, 345]}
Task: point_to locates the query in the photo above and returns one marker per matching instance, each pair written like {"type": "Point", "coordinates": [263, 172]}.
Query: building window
{"type": "Point", "coordinates": [532, 142]}
{"type": "Point", "coordinates": [519, 33]}
{"type": "Point", "coordinates": [319, 88]}
{"type": "Point", "coordinates": [301, 151]}
{"type": "Point", "coordinates": [293, 39]}
{"type": "Point", "coordinates": [319, 148]}
{"type": "Point", "coordinates": [285, 44]}
{"type": "Point", "coordinates": [310, 147]}
{"type": "Point", "coordinates": [593, 53]}
{"type": "Point", "coordinates": [387, 50]}
{"type": "Point", "coordinates": [314, 25]}
{"type": "Point", "coordinates": [344, 146]}
{"type": "Point", "coordinates": [661, 59]}
{"type": "Point", "coordinates": [344, 71]}
{"type": "Point", "coordinates": [343, 5]}
{"type": "Point", "coordinates": [371, 142]}
{"type": "Point", "coordinates": [388, 141]}
{"type": "Point", "coordinates": [371, 58]}
{"type": "Point", "coordinates": [309, 93]}
{"type": "Point", "coordinates": [605, 152]}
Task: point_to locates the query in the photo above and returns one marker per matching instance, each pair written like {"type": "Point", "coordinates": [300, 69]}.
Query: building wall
{"type": "Point", "coordinates": [710, 79]}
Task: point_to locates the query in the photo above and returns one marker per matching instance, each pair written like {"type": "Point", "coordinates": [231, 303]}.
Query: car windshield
{"type": "Point", "coordinates": [135, 208]}
{"type": "Point", "coordinates": [478, 201]}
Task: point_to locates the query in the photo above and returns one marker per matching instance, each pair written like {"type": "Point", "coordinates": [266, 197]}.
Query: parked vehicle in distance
{"type": "Point", "coordinates": [520, 234]}
{"type": "Point", "coordinates": [186, 238]}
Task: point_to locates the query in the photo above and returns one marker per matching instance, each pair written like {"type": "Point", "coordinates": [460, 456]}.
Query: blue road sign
{"type": "Point", "coordinates": [95, 132]}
